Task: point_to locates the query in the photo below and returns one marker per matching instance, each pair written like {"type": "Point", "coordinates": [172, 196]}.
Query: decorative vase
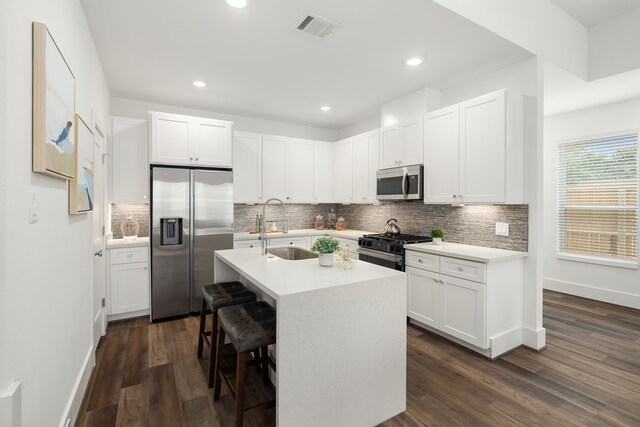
{"type": "Point", "coordinates": [129, 228]}
{"type": "Point", "coordinates": [437, 240]}
{"type": "Point", "coordinates": [326, 260]}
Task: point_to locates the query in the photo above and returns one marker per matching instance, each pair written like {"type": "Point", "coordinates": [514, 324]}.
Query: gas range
{"type": "Point", "coordinates": [391, 243]}
{"type": "Point", "coordinates": [387, 249]}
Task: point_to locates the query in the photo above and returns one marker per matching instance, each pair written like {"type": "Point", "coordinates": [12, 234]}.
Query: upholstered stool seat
{"type": "Point", "coordinates": [215, 297]}
{"type": "Point", "coordinates": [250, 327]}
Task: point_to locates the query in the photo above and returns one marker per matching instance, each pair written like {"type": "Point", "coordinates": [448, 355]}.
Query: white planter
{"type": "Point", "coordinates": [437, 240]}
{"type": "Point", "coordinates": [326, 260]}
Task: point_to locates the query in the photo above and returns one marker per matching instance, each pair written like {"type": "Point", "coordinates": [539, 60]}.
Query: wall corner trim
{"type": "Point", "coordinates": [534, 338]}
{"type": "Point", "coordinates": [11, 406]}
{"type": "Point", "coordinates": [79, 388]}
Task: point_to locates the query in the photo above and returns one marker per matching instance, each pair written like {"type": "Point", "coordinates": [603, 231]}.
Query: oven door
{"type": "Point", "coordinates": [381, 258]}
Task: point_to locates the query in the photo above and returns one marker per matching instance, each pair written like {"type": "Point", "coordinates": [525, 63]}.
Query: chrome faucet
{"type": "Point", "coordinates": [263, 229]}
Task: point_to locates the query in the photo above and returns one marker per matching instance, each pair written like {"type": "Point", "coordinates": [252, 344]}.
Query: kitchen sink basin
{"type": "Point", "coordinates": [292, 253]}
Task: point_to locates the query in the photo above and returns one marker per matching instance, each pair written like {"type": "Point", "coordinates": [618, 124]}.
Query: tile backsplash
{"type": "Point", "coordinates": [120, 212]}
{"type": "Point", "coordinates": [472, 225]}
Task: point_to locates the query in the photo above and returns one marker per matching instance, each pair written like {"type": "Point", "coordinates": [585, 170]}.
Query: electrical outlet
{"type": "Point", "coordinates": [502, 229]}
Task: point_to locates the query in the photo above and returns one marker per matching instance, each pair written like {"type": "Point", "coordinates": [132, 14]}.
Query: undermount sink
{"type": "Point", "coordinates": [292, 253]}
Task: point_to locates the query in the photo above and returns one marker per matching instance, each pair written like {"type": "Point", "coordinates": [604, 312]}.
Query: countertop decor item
{"type": "Point", "coordinates": [326, 246]}
{"type": "Point", "coordinates": [392, 227]}
{"type": "Point", "coordinates": [331, 220]}
{"type": "Point", "coordinates": [437, 235]}
{"type": "Point", "coordinates": [346, 260]}
{"type": "Point", "coordinates": [319, 223]}
{"type": "Point", "coordinates": [341, 225]}
{"type": "Point", "coordinates": [129, 228]}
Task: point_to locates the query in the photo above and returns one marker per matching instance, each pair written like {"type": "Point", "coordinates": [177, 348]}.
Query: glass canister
{"type": "Point", "coordinates": [341, 225]}
{"type": "Point", "coordinates": [331, 220]}
{"type": "Point", "coordinates": [319, 223]}
{"type": "Point", "coordinates": [129, 228]}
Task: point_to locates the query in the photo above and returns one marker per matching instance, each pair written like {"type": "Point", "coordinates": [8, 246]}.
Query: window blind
{"type": "Point", "coordinates": [598, 197]}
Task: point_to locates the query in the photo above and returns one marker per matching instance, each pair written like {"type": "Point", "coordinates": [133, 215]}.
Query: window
{"type": "Point", "coordinates": [598, 198]}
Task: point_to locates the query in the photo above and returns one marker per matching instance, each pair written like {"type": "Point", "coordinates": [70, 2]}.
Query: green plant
{"type": "Point", "coordinates": [437, 233]}
{"type": "Point", "coordinates": [325, 245]}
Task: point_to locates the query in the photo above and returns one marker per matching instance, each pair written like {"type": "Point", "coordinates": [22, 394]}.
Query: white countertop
{"type": "Point", "coordinates": [279, 277]}
{"type": "Point", "coordinates": [126, 243]}
{"type": "Point", "coordinates": [347, 234]}
{"type": "Point", "coordinates": [469, 252]}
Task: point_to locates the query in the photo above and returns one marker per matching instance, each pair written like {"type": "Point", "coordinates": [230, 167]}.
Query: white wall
{"type": "Point", "coordinates": [611, 284]}
{"type": "Point", "coordinates": [46, 291]}
{"type": "Point", "coordinates": [124, 107]}
{"type": "Point", "coordinates": [539, 26]}
{"type": "Point", "coordinates": [614, 46]}
{"type": "Point", "coordinates": [525, 78]}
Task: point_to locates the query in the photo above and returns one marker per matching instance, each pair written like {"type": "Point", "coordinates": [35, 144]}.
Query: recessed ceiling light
{"type": "Point", "coordinates": [199, 84]}
{"type": "Point", "coordinates": [325, 108]}
{"type": "Point", "coordinates": [238, 4]}
{"type": "Point", "coordinates": [412, 62]}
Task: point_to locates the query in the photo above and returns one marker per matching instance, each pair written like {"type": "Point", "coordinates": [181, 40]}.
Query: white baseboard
{"type": "Point", "coordinates": [534, 338]}
{"type": "Point", "coordinates": [131, 314]}
{"type": "Point", "coordinates": [605, 295]}
{"type": "Point", "coordinates": [11, 406]}
{"type": "Point", "coordinates": [505, 342]}
{"type": "Point", "coordinates": [79, 388]}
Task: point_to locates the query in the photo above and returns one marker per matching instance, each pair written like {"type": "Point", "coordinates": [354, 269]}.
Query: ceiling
{"type": "Point", "coordinates": [256, 63]}
{"type": "Point", "coordinates": [593, 12]}
{"type": "Point", "coordinates": [564, 92]}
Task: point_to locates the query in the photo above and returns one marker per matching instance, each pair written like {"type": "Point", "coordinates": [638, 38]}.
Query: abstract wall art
{"type": "Point", "coordinates": [54, 147]}
{"type": "Point", "coordinates": [81, 188]}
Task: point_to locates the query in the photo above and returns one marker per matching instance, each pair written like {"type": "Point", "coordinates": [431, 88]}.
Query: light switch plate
{"type": "Point", "coordinates": [502, 229]}
{"type": "Point", "coordinates": [33, 207]}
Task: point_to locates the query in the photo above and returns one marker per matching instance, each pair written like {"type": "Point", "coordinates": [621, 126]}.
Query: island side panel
{"type": "Point", "coordinates": [342, 354]}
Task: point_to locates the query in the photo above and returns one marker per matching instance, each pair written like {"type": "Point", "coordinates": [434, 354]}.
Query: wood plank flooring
{"type": "Point", "coordinates": [589, 375]}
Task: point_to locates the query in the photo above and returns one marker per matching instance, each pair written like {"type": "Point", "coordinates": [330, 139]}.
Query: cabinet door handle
{"type": "Point", "coordinates": [197, 158]}
{"type": "Point", "coordinates": [191, 159]}
{"type": "Point", "coordinates": [441, 282]}
{"type": "Point", "coordinates": [460, 269]}
{"type": "Point", "coordinates": [454, 196]}
{"type": "Point", "coordinates": [420, 260]}
{"type": "Point", "coordinates": [99, 253]}
{"type": "Point", "coordinates": [435, 280]}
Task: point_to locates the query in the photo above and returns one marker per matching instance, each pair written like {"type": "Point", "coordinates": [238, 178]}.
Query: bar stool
{"type": "Point", "coordinates": [214, 297]}
{"type": "Point", "coordinates": [250, 327]}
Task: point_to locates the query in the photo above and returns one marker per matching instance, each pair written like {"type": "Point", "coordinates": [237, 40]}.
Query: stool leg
{"type": "Point", "coordinates": [203, 317]}
{"type": "Point", "coordinates": [214, 346]}
{"type": "Point", "coordinates": [265, 364]}
{"type": "Point", "coordinates": [218, 366]}
{"type": "Point", "coordinates": [241, 370]}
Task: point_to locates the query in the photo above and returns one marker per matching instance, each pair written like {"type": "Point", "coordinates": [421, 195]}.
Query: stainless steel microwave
{"type": "Point", "coordinates": [402, 183]}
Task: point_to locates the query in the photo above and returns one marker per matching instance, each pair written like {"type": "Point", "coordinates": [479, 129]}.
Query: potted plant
{"type": "Point", "coordinates": [326, 246]}
{"type": "Point", "coordinates": [437, 235]}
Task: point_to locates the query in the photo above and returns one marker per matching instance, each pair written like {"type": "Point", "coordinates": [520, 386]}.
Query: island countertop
{"type": "Point", "coordinates": [469, 252]}
{"type": "Point", "coordinates": [279, 277]}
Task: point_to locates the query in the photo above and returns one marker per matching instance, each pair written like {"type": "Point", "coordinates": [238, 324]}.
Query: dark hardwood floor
{"type": "Point", "coordinates": [589, 375]}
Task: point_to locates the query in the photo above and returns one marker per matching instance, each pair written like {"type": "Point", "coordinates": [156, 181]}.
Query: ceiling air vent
{"type": "Point", "coordinates": [317, 25]}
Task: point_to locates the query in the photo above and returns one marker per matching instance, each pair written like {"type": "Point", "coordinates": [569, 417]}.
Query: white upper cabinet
{"type": "Point", "coordinates": [274, 167]}
{"type": "Point", "coordinates": [247, 167]}
{"type": "Point", "coordinates": [287, 169]}
{"type": "Point", "coordinates": [129, 160]}
{"type": "Point", "coordinates": [300, 158]}
{"type": "Point", "coordinates": [441, 148]}
{"type": "Point", "coordinates": [192, 141]}
{"type": "Point", "coordinates": [343, 161]}
{"type": "Point", "coordinates": [323, 172]}
{"type": "Point", "coordinates": [401, 144]}
{"type": "Point", "coordinates": [365, 165]}
{"type": "Point", "coordinates": [473, 151]}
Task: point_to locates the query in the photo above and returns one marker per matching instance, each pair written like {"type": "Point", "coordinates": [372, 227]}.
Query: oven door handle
{"type": "Point", "coordinates": [381, 255]}
{"type": "Point", "coordinates": [404, 184]}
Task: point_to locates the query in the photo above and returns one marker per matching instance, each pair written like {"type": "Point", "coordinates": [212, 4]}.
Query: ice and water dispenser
{"type": "Point", "coordinates": [170, 231]}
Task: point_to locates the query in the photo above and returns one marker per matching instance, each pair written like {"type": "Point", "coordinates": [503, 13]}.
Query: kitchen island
{"type": "Point", "coordinates": [341, 336]}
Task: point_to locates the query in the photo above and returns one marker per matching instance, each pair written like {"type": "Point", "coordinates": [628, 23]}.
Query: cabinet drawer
{"type": "Point", "coordinates": [421, 260]}
{"type": "Point", "coordinates": [129, 255]}
{"type": "Point", "coordinates": [348, 244]}
{"type": "Point", "coordinates": [470, 270]}
{"type": "Point", "coordinates": [240, 244]}
{"type": "Point", "coordinates": [283, 241]}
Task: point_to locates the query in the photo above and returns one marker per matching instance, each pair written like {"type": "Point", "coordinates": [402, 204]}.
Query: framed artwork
{"type": "Point", "coordinates": [81, 188]}
{"type": "Point", "coordinates": [54, 94]}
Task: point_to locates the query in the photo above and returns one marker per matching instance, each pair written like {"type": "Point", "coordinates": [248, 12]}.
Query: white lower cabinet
{"type": "Point", "coordinates": [475, 304]}
{"type": "Point", "coordinates": [128, 281]}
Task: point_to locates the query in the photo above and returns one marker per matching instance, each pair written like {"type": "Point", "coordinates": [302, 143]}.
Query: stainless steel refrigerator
{"type": "Point", "coordinates": [191, 217]}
